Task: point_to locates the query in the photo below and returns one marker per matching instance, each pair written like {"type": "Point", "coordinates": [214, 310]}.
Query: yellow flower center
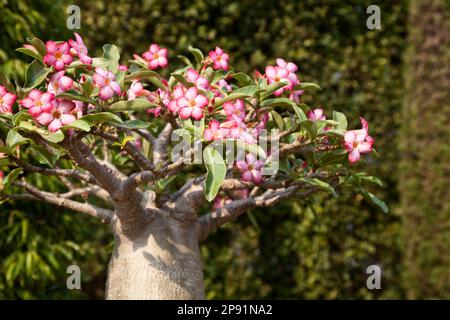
{"type": "Point", "coordinates": [58, 55]}
{"type": "Point", "coordinates": [107, 81]}
{"type": "Point", "coordinates": [192, 103]}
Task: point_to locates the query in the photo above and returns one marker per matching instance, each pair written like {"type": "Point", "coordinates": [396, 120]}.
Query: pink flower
{"type": "Point", "coordinates": [358, 142]}
{"type": "Point", "coordinates": [59, 83]}
{"type": "Point", "coordinates": [194, 77]}
{"type": "Point", "coordinates": [250, 168]}
{"type": "Point", "coordinates": [37, 102]}
{"type": "Point", "coordinates": [214, 131]}
{"type": "Point", "coordinates": [295, 95]}
{"type": "Point", "coordinates": [192, 104]}
{"type": "Point", "coordinates": [263, 118]}
{"type": "Point", "coordinates": [219, 58]}
{"type": "Point", "coordinates": [277, 74]}
{"type": "Point", "coordinates": [123, 67]}
{"type": "Point", "coordinates": [235, 110]}
{"type": "Point", "coordinates": [105, 81]}
{"type": "Point", "coordinates": [58, 55]}
{"type": "Point", "coordinates": [137, 90]}
{"type": "Point", "coordinates": [59, 116]}
{"type": "Point", "coordinates": [155, 57]}
{"type": "Point", "coordinates": [177, 93]}
{"type": "Point", "coordinates": [316, 114]}
{"type": "Point", "coordinates": [238, 130]}
{"type": "Point", "coordinates": [7, 100]}
{"type": "Point", "coordinates": [224, 85]}
{"type": "Point", "coordinates": [77, 48]}
{"type": "Point", "coordinates": [291, 67]}
{"type": "Point", "coordinates": [284, 71]}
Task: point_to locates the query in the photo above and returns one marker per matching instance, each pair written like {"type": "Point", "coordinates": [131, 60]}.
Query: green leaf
{"type": "Point", "coordinates": [278, 119]}
{"type": "Point", "coordinates": [133, 124]}
{"type": "Point", "coordinates": [198, 55]}
{"type": "Point", "coordinates": [21, 115]}
{"type": "Point", "coordinates": [42, 155]}
{"type": "Point", "coordinates": [375, 200]}
{"type": "Point", "coordinates": [142, 74]}
{"type": "Point", "coordinates": [271, 88]}
{"type": "Point", "coordinates": [101, 117]}
{"type": "Point", "coordinates": [157, 83]}
{"type": "Point", "coordinates": [333, 132]}
{"type": "Point", "coordinates": [334, 157]}
{"type": "Point", "coordinates": [185, 60]}
{"type": "Point", "coordinates": [243, 79]}
{"type": "Point", "coordinates": [311, 127]}
{"type": "Point", "coordinates": [35, 74]}
{"type": "Point", "coordinates": [240, 93]}
{"type": "Point", "coordinates": [370, 179]}
{"type": "Point", "coordinates": [39, 45]}
{"type": "Point", "coordinates": [341, 119]}
{"type": "Point", "coordinates": [54, 137]}
{"type": "Point", "coordinates": [87, 88]}
{"type": "Point", "coordinates": [111, 55]}
{"type": "Point", "coordinates": [300, 113]}
{"type": "Point", "coordinates": [30, 52]}
{"type": "Point", "coordinates": [131, 105]}
{"type": "Point", "coordinates": [75, 96]}
{"type": "Point", "coordinates": [14, 139]}
{"type": "Point", "coordinates": [79, 124]}
{"type": "Point", "coordinates": [277, 102]}
{"type": "Point", "coordinates": [309, 86]}
{"type": "Point", "coordinates": [181, 79]}
{"type": "Point", "coordinates": [12, 176]}
{"type": "Point", "coordinates": [216, 170]}
{"type": "Point", "coordinates": [320, 184]}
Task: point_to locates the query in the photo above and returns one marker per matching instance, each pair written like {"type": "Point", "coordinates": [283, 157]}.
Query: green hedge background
{"type": "Point", "coordinates": [297, 250]}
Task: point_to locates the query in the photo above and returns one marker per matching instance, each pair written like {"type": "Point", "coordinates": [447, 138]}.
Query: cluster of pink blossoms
{"type": "Point", "coordinates": [155, 57]}
{"type": "Point", "coordinates": [44, 107]}
{"type": "Point", "coordinates": [194, 100]}
{"type": "Point", "coordinates": [284, 71]}
{"type": "Point", "coordinates": [105, 80]}
{"type": "Point", "coordinates": [358, 142]}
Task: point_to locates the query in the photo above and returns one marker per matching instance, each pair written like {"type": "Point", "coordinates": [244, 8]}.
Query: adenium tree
{"type": "Point", "coordinates": [109, 134]}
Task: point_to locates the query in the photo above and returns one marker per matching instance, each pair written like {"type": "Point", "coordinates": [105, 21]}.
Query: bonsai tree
{"type": "Point", "coordinates": [165, 161]}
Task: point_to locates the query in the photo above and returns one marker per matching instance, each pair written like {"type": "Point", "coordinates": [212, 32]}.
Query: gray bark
{"type": "Point", "coordinates": [161, 262]}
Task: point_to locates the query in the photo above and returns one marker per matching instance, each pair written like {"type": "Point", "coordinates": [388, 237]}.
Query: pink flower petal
{"type": "Point", "coordinates": [353, 156]}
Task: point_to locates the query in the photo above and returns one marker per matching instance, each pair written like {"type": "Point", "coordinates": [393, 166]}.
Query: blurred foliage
{"type": "Point", "coordinates": [305, 250]}
{"type": "Point", "coordinates": [20, 19]}
{"type": "Point", "coordinates": [426, 152]}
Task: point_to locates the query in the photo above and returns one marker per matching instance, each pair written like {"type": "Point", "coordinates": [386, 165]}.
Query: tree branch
{"type": "Point", "coordinates": [104, 215]}
{"type": "Point", "coordinates": [160, 150]}
{"type": "Point", "coordinates": [210, 222]}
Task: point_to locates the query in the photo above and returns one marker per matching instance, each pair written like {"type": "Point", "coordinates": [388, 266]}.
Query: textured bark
{"type": "Point", "coordinates": [162, 262]}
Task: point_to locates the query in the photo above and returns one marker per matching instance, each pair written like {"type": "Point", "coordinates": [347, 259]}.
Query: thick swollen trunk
{"type": "Point", "coordinates": [161, 262]}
